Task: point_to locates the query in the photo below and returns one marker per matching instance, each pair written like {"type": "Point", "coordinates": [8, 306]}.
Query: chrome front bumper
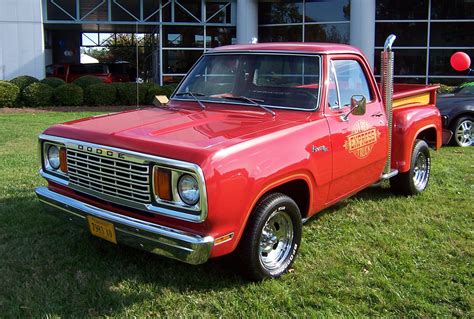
{"type": "Point", "coordinates": [184, 246]}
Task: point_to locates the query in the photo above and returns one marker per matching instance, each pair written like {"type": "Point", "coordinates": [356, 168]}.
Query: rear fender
{"type": "Point", "coordinates": [409, 124]}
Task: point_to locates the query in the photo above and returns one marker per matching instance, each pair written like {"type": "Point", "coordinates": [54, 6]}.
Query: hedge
{"type": "Point", "coordinates": [156, 90]}
{"type": "Point", "coordinates": [68, 95]}
{"type": "Point", "coordinates": [23, 81]}
{"type": "Point", "coordinates": [127, 93]}
{"type": "Point", "coordinates": [53, 82]}
{"type": "Point", "coordinates": [37, 94]}
{"type": "Point", "coordinates": [86, 80]}
{"type": "Point", "coordinates": [100, 94]}
{"type": "Point", "coordinates": [8, 93]}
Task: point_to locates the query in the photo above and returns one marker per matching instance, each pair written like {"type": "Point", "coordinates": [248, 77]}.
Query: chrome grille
{"type": "Point", "coordinates": [110, 176]}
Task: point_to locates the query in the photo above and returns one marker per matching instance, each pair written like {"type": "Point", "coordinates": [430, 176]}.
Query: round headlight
{"type": "Point", "coordinates": [53, 157]}
{"type": "Point", "coordinates": [188, 189]}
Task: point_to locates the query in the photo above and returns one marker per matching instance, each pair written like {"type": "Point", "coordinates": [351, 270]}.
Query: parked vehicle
{"type": "Point", "coordinates": [457, 111]}
{"type": "Point", "coordinates": [256, 139]}
{"type": "Point", "coordinates": [107, 72]}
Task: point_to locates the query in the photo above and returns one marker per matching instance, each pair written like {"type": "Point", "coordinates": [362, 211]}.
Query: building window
{"type": "Point", "coordinates": [428, 33]}
{"type": "Point", "coordinates": [179, 61]}
{"type": "Point", "coordinates": [327, 11]}
{"type": "Point", "coordinates": [290, 33]}
{"type": "Point", "coordinates": [280, 12]}
{"type": "Point", "coordinates": [409, 34]}
{"type": "Point", "coordinates": [177, 36]}
{"type": "Point", "coordinates": [452, 9]}
{"type": "Point", "coordinates": [304, 20]}
{"type": "Point", "coordinates": [452, 34]}
{"type": "Point", "coordinates": [328, 32]}
{"type": "Point", "coordinates": [401, 10]}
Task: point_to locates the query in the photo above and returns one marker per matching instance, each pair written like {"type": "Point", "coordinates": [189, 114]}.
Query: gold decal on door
{"type": "Point", "coordinates": [362, 139]}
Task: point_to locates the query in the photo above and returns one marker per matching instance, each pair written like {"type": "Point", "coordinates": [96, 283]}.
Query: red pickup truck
{"type": "Point", "coordinates": [255, 140]}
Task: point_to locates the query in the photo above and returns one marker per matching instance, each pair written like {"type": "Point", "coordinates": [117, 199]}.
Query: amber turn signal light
{"type": "Point", "coordinates": [162, 181]}
{"type": "Point", "coordinates": [63, 160]}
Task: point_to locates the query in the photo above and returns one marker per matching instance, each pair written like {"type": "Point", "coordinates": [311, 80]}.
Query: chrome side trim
{"type": "Point", "coordinates": [195, 214]}
{"type": "Point", "coordinates": [169, 242]}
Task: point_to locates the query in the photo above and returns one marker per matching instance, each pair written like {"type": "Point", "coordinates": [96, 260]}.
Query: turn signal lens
{"type": "Point", "coordinates": [62, 160]}
{"type": "Point", "coordinates": [162, 181]}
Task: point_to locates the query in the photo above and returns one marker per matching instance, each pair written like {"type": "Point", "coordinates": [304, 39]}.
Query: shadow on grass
{"type": "Point", "coordinates": [368, 194]}
{"type": "Point", "coordinates": [52, 267]}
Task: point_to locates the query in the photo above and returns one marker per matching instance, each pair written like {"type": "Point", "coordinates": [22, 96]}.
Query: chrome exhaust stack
{"type": "Point", "coordinates": [387, 96]}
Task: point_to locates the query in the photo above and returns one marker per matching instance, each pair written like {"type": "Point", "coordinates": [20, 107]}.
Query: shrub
{"type": "Point", "coordinates": [445, 89]}
{"type": "Point", "coordinates": [100, 94]}
{"type": "Point", "coordinates": [86, 80]}
{"type": "Point", "coordinates": [37, 94]}
{"type": "Point", "coordinates": [127, 93]}
{"type": "Point", "coordinates": [170, 88]}
{"type": "Point", "coordinates": [155, 89]}
{"type": "Point", "coordinates": [53, 82]}
{"type": "Point", "coordinates": [23, 81]}
{"type": "Point", "coordinates": [8, 93]}
{"type": "Point", "coordinates": [68, 95]}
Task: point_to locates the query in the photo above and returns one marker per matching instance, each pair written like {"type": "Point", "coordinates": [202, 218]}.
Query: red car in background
{"type": "Point", "coordinates": [107, 72]}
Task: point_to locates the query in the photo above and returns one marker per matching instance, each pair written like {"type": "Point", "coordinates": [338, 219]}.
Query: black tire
{"type": "Point", "coordinates": [416, 179]}
{"type": "Point", "coordinates": [279, 215]}
{"type": "Point", "coordinates": [463, 132]}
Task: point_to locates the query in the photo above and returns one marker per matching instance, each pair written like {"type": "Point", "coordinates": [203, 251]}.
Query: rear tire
{"type": "Point", "coordinates": [416, 179]}
{"type": "Point", "coordinates": [271, 238]}
{"type": "Point", "coordinates": [463, 132]}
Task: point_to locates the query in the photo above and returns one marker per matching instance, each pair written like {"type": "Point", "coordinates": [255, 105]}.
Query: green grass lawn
{"type": "Point", "coordinates": [375, 254]}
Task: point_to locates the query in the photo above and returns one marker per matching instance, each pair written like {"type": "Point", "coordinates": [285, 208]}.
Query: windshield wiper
{"type": "Point", "coordinates": [251, 100]}
{"type": "Point", "coordinates": [194, 95]}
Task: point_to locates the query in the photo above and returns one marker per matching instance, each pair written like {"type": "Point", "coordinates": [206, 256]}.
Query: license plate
{"type": "Point", "coordinates": [102, 229]}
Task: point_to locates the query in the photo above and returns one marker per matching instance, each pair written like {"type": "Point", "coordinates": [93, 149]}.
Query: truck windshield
{"type": "Point", "coordinates": [275, 80]}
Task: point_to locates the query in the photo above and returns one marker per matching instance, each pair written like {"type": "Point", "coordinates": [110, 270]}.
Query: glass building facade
{"type": "Point", "coordinates": [170, 35]}
{"type": "Point", "coordinates": [307, 21]}
{"type": "Point", "coordinates": [428, 31]}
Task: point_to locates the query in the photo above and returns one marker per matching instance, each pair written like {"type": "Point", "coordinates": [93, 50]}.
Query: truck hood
{"type": "Point", "coordinates": [181, 131]}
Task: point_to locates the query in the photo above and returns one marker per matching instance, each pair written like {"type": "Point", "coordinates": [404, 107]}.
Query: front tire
{"type": "Point", "coordinates": [271, 238]}
{"type": "Point", "coordinates": [416, 179]}
{"type": "Point", "coordinates": [463, 132]}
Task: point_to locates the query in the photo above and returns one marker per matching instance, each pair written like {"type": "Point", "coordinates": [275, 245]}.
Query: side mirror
{"type": "Point", "coordinates": [358, 107]}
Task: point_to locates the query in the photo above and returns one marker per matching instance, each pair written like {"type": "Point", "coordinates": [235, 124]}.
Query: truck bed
{"type": "Point", "coordinates": [414, 94]}
{"type": "Point", "coordinates": [405, 95]}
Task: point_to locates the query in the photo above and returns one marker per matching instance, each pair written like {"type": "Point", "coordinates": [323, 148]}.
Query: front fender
{"type": "Point", "coordinates": [410, 123]}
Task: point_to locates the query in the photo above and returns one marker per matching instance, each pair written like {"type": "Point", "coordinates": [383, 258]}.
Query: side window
{"type": "Point", "coordinates": [351, 81]}
{"type": "Point", "coordinates": [333, 94]}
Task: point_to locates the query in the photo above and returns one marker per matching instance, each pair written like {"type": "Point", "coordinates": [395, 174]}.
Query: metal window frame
{"type": "Point", "coordinates": [144, 20]}
{"type": "Point", "coordinates": [428, 46]}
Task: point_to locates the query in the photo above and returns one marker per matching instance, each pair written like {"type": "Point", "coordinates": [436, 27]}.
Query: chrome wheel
{"type": "Point", "coordinates": [276, 240]}
{"type": "Point", "coordinates": [464, 133]}
{"type": "Point", "coordinates": [421, 171]}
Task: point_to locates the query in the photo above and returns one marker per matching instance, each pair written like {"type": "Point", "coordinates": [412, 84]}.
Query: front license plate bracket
{"type": "Point", "coordinates": [102, 229]}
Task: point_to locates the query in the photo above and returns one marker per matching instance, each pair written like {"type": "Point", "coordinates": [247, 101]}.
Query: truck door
{"type": "Point", "coordinates": [359, 144]}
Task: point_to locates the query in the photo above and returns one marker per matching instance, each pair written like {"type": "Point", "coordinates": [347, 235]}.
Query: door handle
{"type": "Point", "coordinates": [377, 114]}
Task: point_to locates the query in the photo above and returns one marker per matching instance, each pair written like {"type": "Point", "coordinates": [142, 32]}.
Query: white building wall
{"type": "Point", "coordinates": [247, 21]}
{"type": "Point", "coordinates": [363, 27]}
{"type": "Point", "coordinates": [21, 39]}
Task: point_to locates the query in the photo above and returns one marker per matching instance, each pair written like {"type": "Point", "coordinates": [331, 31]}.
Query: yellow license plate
{"type": "Point", "coordinates": [102, 229]}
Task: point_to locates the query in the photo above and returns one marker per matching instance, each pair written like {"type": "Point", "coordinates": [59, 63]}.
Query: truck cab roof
{"type": "Point", "coordinates": [307, 47]}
